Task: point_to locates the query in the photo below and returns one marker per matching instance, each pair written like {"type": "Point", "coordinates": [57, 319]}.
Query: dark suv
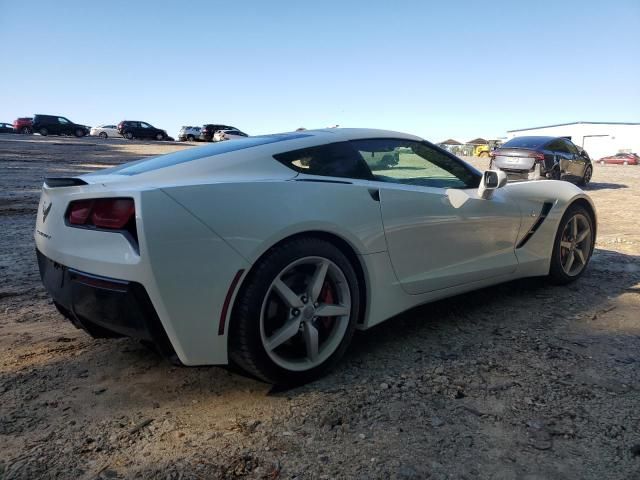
{"type": "Point", "coordinates": [131, 129]}
{"type": "Point", "coordinates": [534, 158]}
{"type": "Point", "coordinates": [207, 131]}
{"type": "Point", "coordinates": [55, 125]}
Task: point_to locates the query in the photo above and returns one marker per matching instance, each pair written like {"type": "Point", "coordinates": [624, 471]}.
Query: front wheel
{"type": "Point", "coordinates": [79, 132]}
{"type": "Point", "coordinates": [586, 177]}
{"type": "Point", "coordinates": [43, 131]}
{"type": "Point", "coordinates": [103, 135]}
{"type": "Point", "coordinates": [159, 137]}
{"type": "Point", "coordinates": [295, 316]}
{"type": "Point", "coordinates": [573, 245]}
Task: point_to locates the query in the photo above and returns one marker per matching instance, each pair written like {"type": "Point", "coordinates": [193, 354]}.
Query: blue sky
{"type": "Point", "coordinates": [457, 69]}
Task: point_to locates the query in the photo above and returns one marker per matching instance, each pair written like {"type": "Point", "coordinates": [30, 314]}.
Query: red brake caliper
{"type": "Point", "coordinates": [326, 296]}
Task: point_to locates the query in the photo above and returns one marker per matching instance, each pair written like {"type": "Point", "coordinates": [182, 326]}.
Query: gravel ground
{"type": "Point", "coordinates": [520, 381]}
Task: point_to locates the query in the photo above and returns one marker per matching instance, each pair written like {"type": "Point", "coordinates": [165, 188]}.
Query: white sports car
{"type": "Point", "coordinates": [105, 131]}
{"type": "Point", "coordinates": [268, 252]}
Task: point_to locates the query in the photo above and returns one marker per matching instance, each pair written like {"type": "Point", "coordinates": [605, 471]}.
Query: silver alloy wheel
{"type": "Point", "coordinates": [103, 135]}
{"type": "Point", "coordinates": [575, 244]}
{"type": "Point", "coordinates": [305, 313]}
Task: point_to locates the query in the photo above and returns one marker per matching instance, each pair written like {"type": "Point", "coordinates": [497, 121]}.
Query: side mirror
{"type": "Point", "coordinates": [491, 180]}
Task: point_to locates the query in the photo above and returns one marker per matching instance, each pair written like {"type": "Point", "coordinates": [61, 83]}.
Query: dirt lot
{"type": "Point", "coordinates": [520, 381]}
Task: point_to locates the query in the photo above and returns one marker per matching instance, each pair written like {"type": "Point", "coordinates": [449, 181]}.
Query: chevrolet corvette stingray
{"type": "Point", "coordinates": [268, 252]}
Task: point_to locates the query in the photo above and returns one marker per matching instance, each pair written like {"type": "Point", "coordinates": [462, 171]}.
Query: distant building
{"type": "Point", "coordinates": [599, 139]}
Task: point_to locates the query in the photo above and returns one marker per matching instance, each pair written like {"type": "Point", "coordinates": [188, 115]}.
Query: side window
{"type": "Point", "coordinates": [414, 163]}
{"type": "Point", "coordinates": [145, 125]}
{"type": "Point", "coordinates": [571, 147]}
{"type": "Point", "coordinates": [558, 146]}
{"type": "Point", "coordinates": [63, 120]}
{"type": "Point", "coordinates": [333, 160]}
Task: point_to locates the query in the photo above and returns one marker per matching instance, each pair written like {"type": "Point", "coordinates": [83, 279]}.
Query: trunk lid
{"type": "Point", "coordinates": [515, 158]}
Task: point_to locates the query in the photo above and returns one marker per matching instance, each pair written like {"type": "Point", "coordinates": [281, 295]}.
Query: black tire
{"type": "Point", "coordinates": [557, 274]}
{"type": "Point", "coordinates": [79, 132]}
{"type": "Point", "coordinates": [128, 135]}
{"type": "Point", "coordinates": [159, 137]}
{"type": "Point", "coordinates": [190, 138]}
{"type": "Point", "coordinates": [246, 349]}
{"type": "Point", "coordinates": [586, 177]}
{"type": "Point", "coordinates": [43, 131]}
{"type": "Point", "coordinates": [103, 135]}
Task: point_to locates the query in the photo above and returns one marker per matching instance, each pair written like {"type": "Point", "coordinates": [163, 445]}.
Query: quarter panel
{"type": "Point", "coordinates": [253, 216]}
{"type": "Point", "coordinates": [191, 271]}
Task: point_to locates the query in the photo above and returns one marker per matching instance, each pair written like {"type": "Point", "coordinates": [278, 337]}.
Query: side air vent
{"type": "Point", "coordinates": [54, 182]}
{"type": "Point", "coordinates": [546, 208]}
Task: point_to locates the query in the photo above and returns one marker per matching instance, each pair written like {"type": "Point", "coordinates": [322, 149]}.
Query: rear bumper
{"type": "Point", "coordinates": [104, 307]}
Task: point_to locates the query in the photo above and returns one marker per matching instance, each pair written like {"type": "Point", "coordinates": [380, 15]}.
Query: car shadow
{"type": "Point", "coordinates": [603, 186]}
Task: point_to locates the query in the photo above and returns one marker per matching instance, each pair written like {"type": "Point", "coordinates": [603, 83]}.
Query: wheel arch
{"type": "Point", "coordinates": [589, 207]}
{"type": "Point", "coordinates": [345, 247]}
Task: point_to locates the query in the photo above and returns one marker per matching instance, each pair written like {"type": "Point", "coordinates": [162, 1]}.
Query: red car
{"type": "Point", "coordinates": [621, 159]}
{"type": "Point", "coordinates": [23, 125]}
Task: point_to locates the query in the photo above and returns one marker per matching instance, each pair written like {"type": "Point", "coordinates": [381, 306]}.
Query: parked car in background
{"type": "Point", "coordinates": [131, 129]}
{"type": "Point", "coordinates": [189, 134]}
{"type": "Point", "coordinates": [23, 125]}
{"type": "Point", "coordinates": [56, 125]}
{"type": "Point", "coordinates": [6, 128]}
{"type": "Point", "coordinates": [534, 158]}
{"type": "Point", "coordinates": [208, 131]}
{"type": "Point", "coordinates": [233, 134]}
{"type": "Point", "coordinates": [621, 159]}
{"type": "Point", "coordinates": [105, 131]}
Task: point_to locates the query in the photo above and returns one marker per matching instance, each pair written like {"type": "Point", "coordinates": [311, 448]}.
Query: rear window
{"type": "Point", "coordinates": [526, 142]}
{"type": "Point", "coordinates": [191, 154]}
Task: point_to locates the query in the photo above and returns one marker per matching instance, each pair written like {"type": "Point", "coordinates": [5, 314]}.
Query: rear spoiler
{"type": "Point", "coordinates": [63, 182]}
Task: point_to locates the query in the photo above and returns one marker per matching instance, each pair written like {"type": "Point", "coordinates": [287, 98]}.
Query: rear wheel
{"type": "Point", "coordinates": [79, 132]}
{"type": "Point", "coordinates": [295, 315]}
{"type": "Point", "coordinates": [573, 245]}
{"type": "Point", "coordinates": [586, 178]}
{"type": "Point", "coordinates": [43, 131]}
{"type": "Point", "coordinates": [128, 135]}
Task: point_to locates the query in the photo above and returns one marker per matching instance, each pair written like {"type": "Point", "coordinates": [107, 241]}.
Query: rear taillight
{"type": "Point", "coordinates": [538, 155]}
{"type": "Point", "coordinates": [79, 211]}
{"type": "Point", "coordinates": [104, 213]}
